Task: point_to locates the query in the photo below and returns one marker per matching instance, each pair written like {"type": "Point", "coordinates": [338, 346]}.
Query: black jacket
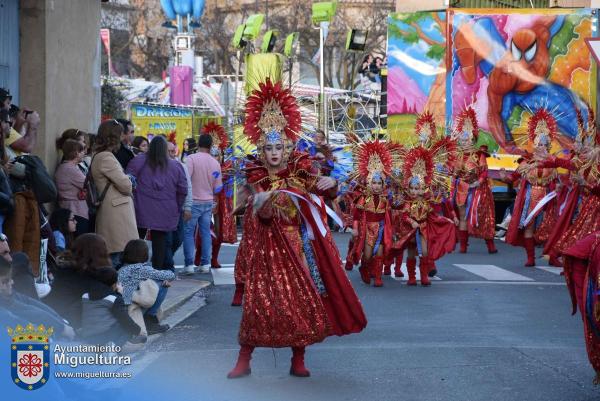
{"type": "Point", "coordinates": [7, 203]}
{"type": "Point", "coordinates": [124, 155]}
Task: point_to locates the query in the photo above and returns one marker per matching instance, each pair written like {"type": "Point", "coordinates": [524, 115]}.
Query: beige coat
{"type": "Point", "coordinates": [115, 220]}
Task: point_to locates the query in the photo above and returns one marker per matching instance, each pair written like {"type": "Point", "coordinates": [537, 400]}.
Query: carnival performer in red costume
{"type": "Point", "coordinates": [428, 233]}
{"type": "Point", "coordinates": [296, 291]}
{"type": "Point", "coordinates": [570, 197]}
{"type": "Point", "coordinates": [471, 192]}
{"type": "Point", "coordinates": [582, 274]}
{"type": "Point", "coordinates": [396, 253]}
{"type": "Point", "coordinates": [586, 167]}
{"type": "Point", "coordinates": [426, 133]}
{"type": "Point", "coordinates": [224, 226]}
{"type": "Point", "coordinates": [372, 225]}
{"type": "Point", "coordinates": [535, 190]}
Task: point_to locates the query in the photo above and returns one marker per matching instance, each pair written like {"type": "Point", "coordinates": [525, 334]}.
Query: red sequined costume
{"type": "Point", "coordinates": [567, 202]}
{"type": "Point", "coordinates": [535, 188]}
{"type": "Point", "coordinates": [372, 225]}
{"type": "Point", "coordinates": [372, 222]}
{"type": "Point", "coordinates": [396, 253]}
{"type": "Point", "coordinates": [296, 291]}
{"type": "Point", "coordinates": [423, 228]}
{"type": "Point", "coordinates": [587, 167]}
{"type": "Point", "coordinates": [471, 191]}
{"type": "Point", "coordinates": [582, 274]}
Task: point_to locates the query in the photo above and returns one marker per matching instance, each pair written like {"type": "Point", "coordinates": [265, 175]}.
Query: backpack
{"type": "Point", "coordinates": [91, 195]}
{"type": "Point", "coordinates": [37, 179]}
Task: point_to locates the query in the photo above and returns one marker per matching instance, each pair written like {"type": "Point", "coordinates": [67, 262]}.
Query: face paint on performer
{"type": "Point", "coordinates": [274, 149]}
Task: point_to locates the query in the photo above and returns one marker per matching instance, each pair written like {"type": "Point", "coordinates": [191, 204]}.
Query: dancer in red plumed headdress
{"type": "Point", "coordinates": [296, 291]}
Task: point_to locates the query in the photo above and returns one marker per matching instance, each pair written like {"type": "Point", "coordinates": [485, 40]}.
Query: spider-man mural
{"type": "Point", "coordinates": [513, 58]}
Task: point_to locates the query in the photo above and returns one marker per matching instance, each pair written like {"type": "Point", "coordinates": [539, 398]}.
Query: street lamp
{"type": "Point", "coordinates": [355, 42]}
{"type": "Point", "coordinates": [245, 35]}
{"type": "Point", "coordinates": [322, 14]}
{"type": "Point", "coordinates": [269, 40]}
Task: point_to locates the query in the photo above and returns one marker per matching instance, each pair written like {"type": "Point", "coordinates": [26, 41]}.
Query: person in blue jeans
{"type": "Point", "coordinates": [205, 176]}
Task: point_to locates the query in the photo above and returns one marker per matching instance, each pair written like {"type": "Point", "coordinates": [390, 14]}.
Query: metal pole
{"type": "Point", "coordinates": [322, 117]}
{"type": "Point", "coordinates": [291, 63]}
{"type": "Point", "coordinates": [179, 24]}
{"type": "Point", "coordinates": [237, 74]}
{"type": "Point", "coordinates": [267, 14]}
{"type": "Point", "coordinates": [352, 74]}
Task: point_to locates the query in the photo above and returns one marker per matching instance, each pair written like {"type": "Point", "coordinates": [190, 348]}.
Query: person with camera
{"type": "Point", "coordinates": [6, 196]}
{"type": "Point", "coordinates": [25, 124]}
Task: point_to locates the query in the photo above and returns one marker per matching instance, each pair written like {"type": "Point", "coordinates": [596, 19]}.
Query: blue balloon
{"type": "Point", "coordinates": [182, 7]}
{"type": "Point", "coordinates": [198, 8]}
{"type": "Point", "coordinates": [167, 6]}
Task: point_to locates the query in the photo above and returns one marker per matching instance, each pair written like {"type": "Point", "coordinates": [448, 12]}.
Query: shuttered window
{"type": "Point", "coordinates": [9, 47]}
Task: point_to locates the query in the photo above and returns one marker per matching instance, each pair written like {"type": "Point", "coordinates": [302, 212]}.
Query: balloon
{"type": "Point", "coordinates": [167, 7]}
{"type": "Point", "coordinates": [198, 8]}
{"type": "Point", "coordinates": [182, 7]}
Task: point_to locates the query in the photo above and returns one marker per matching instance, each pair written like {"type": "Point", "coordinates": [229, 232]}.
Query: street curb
{"type": "Point", "coordinates": [190, 288]}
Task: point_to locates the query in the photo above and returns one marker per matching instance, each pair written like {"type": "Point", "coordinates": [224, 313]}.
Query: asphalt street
{"type": "Point", "coordinates": [487, 329]}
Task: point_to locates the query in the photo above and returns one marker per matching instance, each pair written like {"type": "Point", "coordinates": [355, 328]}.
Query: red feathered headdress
{"type": "Point", "coordinates": [542, 127]}
{"type": "Point", "coordinates": [466, 117]}
{"type": "Point", "coordinates": [271, 108]}
{"type": "Point", "coordinates": [418, 167]}
{"type": "Point", "coordinates": [425, 124]}
{"type": "Point", "coordinates": [373, 158]}
{"type": "Point", "coordinates": [218, 134]}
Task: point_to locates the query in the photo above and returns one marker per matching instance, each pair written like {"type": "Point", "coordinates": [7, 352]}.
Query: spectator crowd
{"type": "Point", "coordinates": [73, 244]}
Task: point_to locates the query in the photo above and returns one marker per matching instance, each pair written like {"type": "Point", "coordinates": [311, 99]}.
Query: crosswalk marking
{"type": "Point", "coordinates": [223, 276]}
{"type": "Point", "coordinates": [551, 269]}
{"type": "Point", "coordinates": [491, 272]}
{"type": "Point", "coordinates": [405, 278]}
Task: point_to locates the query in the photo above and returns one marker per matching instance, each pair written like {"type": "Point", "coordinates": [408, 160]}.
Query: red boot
{"type": "Point", "coordinates": [376, 265]}
{"type": "Point", "coordinates": [298, 369]}
{"type": "Point", "coordinates": [387, 267]}
{"type": "Point", "coordinates": [424, 270]}
{"type": "Point", "coordinates": [365, 275]}
{"type": "Point", "coordinates": [398, 265]}
{"type": "Point", "coordinates": [555, 261]}
{"type": "Point", "coordinates": [432, 268]}
{"type": "Point", "coordinates": [214, 261]}
{"type": "Point", "coordinates": [242, 367]}
{"type": "Point", "coordinates": [411, 267]}
{"type": "Point", "coordinates": [491, 246]}
{"type": "Point", "coordinates": [463, 237]}
{"type": "Point", "coordinates": [238, 295]}
{"type": "Point", "coordinates": [530, 249]}
{"type": "Point", "coordinates": [349, 265]}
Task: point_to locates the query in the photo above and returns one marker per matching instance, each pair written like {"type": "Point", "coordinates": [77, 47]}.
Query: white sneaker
{"type": "Point", "coordinates": [187, 270]}
{"type": "Point", "coordinates": [203, 269]}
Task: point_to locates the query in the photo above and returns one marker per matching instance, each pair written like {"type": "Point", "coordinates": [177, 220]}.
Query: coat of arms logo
{"type": "Point", "coordinates": [30, 355]}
